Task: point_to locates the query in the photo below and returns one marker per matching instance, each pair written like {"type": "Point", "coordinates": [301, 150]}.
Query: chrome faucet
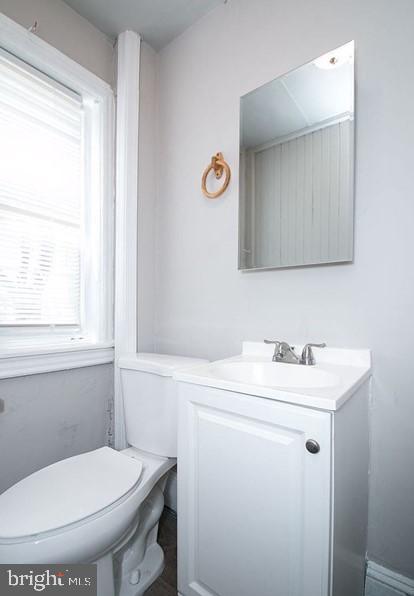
{"type": "Point", "coordinates": [286, 353]}
{"type": "Point", "coordinates": [283, 352]}
{"type": "Point", "coordinates": [308, 357]}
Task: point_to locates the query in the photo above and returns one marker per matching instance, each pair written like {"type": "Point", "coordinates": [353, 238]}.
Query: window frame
{"type": "Point", "coordinates": [94, 343]}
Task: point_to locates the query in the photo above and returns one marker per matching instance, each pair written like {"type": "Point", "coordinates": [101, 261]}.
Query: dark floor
{"type": "Point", "coordinates": [166, 584]}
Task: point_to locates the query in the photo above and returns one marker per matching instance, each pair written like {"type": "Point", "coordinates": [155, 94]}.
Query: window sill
{"type": "Point", "coordinates": [31, 361]}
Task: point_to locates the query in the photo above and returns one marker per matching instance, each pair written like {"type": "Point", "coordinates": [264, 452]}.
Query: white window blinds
{"type": "Point", "coordinates": [41, 188]}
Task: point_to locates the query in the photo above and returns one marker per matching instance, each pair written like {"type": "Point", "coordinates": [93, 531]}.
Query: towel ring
{"type": "Point", "coordinates": [219, 166]}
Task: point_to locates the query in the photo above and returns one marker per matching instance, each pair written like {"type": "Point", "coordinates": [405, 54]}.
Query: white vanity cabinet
{"type": "Point", "coordinates": [258, 513]}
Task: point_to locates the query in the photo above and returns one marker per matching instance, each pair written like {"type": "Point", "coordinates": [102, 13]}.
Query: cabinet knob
{"type": "Point", "coordinates": [313, 446]}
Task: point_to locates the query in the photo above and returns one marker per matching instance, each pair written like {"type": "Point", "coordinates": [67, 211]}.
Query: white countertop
{"type": "Point", "coordinates": [350, 367]}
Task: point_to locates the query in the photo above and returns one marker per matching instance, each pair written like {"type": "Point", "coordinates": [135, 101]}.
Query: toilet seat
{"type": "Point", "coordinates": [67, 492]}
{"type": "Point", "coordinates": [96, 532]}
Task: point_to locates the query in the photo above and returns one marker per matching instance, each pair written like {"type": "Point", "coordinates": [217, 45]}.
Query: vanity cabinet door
{"type": "Point", "coordinates": [253, 502]}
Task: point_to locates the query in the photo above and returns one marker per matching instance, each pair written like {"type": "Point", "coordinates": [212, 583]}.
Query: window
{"type": "Point", "coordinates": [41, 130]}
{"type": "Point", "coordinates": [55, 205]}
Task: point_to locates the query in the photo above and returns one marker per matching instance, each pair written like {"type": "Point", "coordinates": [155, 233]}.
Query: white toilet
{"type": "Point", "coordinates": [103, 506]}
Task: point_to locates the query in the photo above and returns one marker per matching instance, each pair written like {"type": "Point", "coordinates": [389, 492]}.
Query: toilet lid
{"type": "Point", "coordinates": [67, 492]}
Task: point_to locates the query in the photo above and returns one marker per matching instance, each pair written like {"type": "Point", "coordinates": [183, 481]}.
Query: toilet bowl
{"type": "Point", "coordinates": [62, 514]}
{"type": "Point", "coordinates": [103, 506]}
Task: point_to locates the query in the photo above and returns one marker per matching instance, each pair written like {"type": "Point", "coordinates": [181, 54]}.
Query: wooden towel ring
{"type": "Point", "coordinates": [219, 166]}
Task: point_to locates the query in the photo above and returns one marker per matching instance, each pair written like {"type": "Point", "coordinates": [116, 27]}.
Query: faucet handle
{"type": "Point", "coordinates": [277, 345]}
{"type": "Point", "coordinates": [307, 353]}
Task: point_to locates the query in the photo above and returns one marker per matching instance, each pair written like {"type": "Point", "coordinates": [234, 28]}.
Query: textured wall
{"type": "Point", "coordinates": [205, 307]}
{"type": "Point", "coordinates": [298, 200]}
{"type": "Point", "coordinates": [48, 417]}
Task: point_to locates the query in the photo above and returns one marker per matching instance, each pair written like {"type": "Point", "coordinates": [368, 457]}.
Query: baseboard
{"type": "Point", "coordinates": [384, 582]}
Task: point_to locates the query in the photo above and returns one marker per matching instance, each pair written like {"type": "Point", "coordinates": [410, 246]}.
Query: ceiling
{"type": "Point", "coordinates": [158, 21]}
{"type": "Point", "coordinates": [305, 97]}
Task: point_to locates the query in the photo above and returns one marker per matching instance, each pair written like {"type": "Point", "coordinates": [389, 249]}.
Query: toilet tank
{"type": "Point", "coordinates": [150, 400]}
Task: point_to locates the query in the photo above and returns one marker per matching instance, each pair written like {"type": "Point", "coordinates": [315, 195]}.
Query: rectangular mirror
{"type": "Point", "coordinates": [296, 166]}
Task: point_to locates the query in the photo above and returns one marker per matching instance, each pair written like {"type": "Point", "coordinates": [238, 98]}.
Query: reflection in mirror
{"type": "Point", "coordinates": [296, 166]}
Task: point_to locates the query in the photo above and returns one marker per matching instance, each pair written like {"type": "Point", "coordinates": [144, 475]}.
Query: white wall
{"type": "Point", "coordinates": [51, 416]}
{"type": "Point", "coordinates": [205, 307]}
{"type": "Point", "coordinates": [67, 31]}
{"type": "Point", "coordinates": [147, 186]}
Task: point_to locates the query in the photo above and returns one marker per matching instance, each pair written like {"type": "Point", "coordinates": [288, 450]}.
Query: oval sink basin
{"type": "Point", "coordinates": [274, 374]}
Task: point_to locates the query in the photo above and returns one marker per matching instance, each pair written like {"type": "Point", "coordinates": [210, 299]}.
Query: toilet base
{"type": "Point", "coordinates": [131, 583]}
{"type": "Point", "coordinates": [148, 571]}
{"type": "Point", "coordinates": [105, 576]}
{"type": "Point", "coordinates": [140, 560]}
